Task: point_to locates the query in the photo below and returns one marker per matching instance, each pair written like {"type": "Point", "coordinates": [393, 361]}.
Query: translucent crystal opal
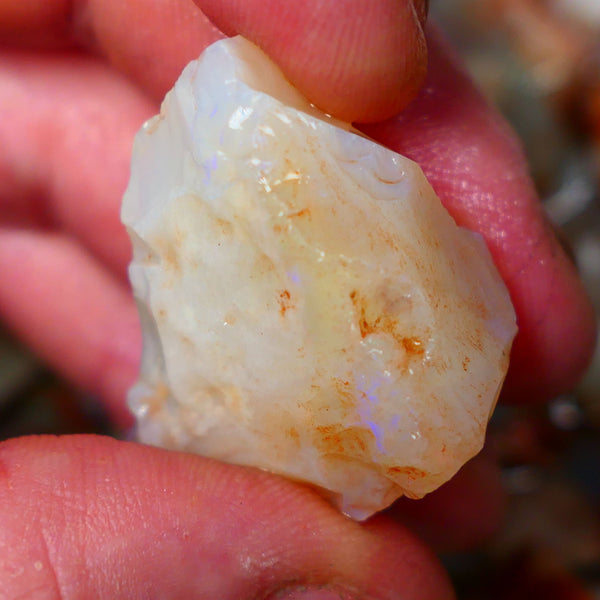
{"type": "Point", "coordinates": [308, 306]}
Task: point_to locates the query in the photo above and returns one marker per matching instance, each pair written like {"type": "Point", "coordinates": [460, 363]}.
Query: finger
{"type": "Point", "coordinates": [73, 312]}
{"type": "Point", "coordinates": [89, 517]}
{"type": "Point", "coordinates": [65, 159]}
{"type": "Point", "coordinates": [477, 168]}
{"type": "Point", "coordinates": [356, 59]}
{"type": "Point", "coordinates": [149, 41]}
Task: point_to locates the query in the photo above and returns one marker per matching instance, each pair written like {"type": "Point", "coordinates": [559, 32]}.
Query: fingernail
{"type": "Point", "coordinates": [312, 594]}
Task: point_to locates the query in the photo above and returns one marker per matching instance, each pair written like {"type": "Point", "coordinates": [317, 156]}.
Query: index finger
{"type": "Point", "coordinates": [90, 517]}
{"type": "Point", "coordinates": [360, 60]}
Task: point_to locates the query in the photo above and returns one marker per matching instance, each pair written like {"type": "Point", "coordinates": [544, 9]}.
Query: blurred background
{"type": "Point", "coordinates": [539, 62]}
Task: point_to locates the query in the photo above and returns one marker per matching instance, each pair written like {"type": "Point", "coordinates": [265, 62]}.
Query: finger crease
{"type": "Point", "coordinates": [52, 571]}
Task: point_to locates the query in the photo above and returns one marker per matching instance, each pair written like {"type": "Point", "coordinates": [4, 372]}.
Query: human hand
{"type": "Point", "coordinates": [92, 517]}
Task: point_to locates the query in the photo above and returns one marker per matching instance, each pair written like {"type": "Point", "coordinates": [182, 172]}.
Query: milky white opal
{"type": "Point", "coordinates": [308, 306]}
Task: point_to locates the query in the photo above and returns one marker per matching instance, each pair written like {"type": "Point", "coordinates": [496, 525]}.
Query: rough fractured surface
{"type": "Point", "coordinates": [308, 305]}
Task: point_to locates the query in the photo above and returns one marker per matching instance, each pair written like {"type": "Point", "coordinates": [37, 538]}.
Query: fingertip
{"type": "Point", "coordinates": [557, 334]}
{"type": "Point", "coordinates": [358, 61]}
{"type": "Point", "coordinates": [149, 41]}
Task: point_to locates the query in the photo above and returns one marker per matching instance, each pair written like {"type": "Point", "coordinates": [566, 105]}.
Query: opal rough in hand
{"type": "Point", "coordinates": [308, 306]}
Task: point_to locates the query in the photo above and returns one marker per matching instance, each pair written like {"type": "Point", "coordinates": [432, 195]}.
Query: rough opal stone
{"type": "Point", "coordinates": [308, 306]}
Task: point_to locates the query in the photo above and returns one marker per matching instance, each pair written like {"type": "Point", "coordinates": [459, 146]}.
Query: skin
{"type": "Point", "coordinates": [86, 516]}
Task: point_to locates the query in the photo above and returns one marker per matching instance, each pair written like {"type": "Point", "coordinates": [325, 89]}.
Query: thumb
{"type": "Point", "coordinates": [359, 60]}
{"type": "Point", "coordinates": [90, 517]}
